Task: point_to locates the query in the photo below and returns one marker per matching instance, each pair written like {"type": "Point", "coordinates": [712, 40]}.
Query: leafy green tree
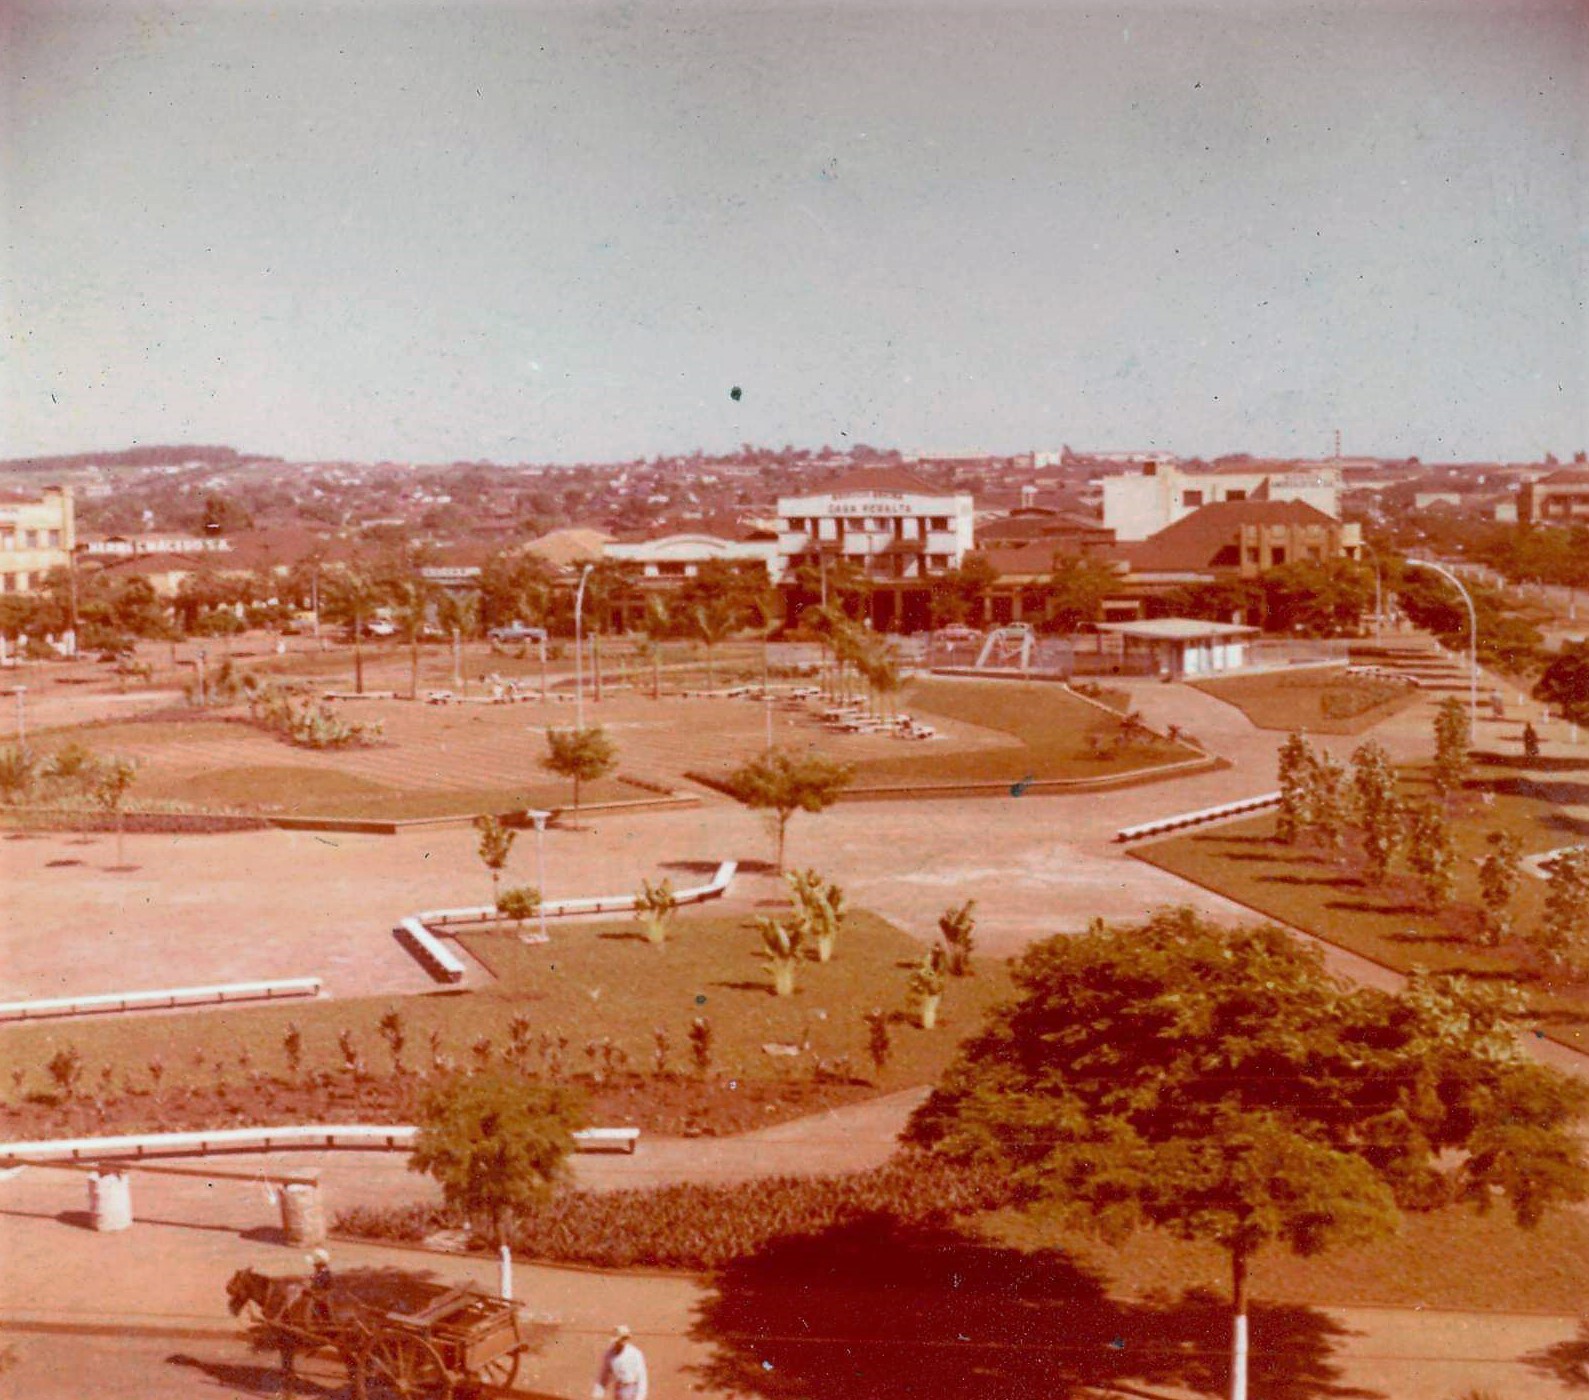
{"type": "Point", "coordinates": [1565, 682]}
{"type": "Point", "coordinates": [1499, 873]}
{"type": "Point", "coordinates": [519, 903]}
{"type": "Point", "coordinates": [1563, 933]}
{"type": "Point", "coordinates": [1074, 592]}
{"type": "Point", "coordinates": [496, 842]}
{"type": "Point", "coordinates": [113, 778]}
{"type": "Point", "coordinates": [1453, 734]}
{"type": "Point", "coordinates": [784, 783]}
{"type": "Point", "coordinates": [413, 598]}
{"type": "Point", "coordinates": [1296, 792]}
{"type": "Point", "coordinates": [1222, 1086]}
{"type": "Point", "coordinates": [19, 769]}
{"type": "Point", "coordinates": [1430, 854]}
{"type": "Point", "coordinates": [1327, 813]}
{"type": "Point", "coordinates": [580, 755]}
{"type": "Point", "coordinates": [1324, 599]}
{"type": "Point", "coordinates": [496, 1144]}
{"type": "Point", "coordinates": [1378, 808]}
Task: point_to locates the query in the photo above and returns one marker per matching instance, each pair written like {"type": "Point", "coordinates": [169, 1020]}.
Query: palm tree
{"type": "Point", "coordinates": [657, 625]}
{"type": "Point", "coordinates": [352, 594]}
{"type": "Point", "coordinates": [765, 609]}
{"type": "Point", "coordinates": [412, 595]}
{"type": "Point", "coordinates": [713, 621]}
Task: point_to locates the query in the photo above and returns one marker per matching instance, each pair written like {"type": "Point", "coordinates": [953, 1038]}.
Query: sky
{"type": "Point", "coordinates": [565, 232]}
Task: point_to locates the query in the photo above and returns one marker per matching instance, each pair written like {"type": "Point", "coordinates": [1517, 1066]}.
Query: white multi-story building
{"type": "Point", "coordinates": [1142, 503]}
{"type": "Point", "coordinates": [899, 531]}
{"type": "Point", "coordinates": [35, 537]}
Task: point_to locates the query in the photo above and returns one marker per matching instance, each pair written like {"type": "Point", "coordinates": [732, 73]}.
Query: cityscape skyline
{"type": "Point", "coordinates": [485, 232]}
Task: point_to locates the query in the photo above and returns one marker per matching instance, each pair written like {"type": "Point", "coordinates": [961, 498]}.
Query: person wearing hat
{"type": "Point", "coordinates": [623, 1369]}
{"type": "Point", "coordinates": [320, 1284]}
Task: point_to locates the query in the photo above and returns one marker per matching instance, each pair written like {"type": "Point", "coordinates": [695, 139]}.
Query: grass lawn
{"type": "Point", "coordinates": [435, 763]}
{"type": "Point", "coordinates": [1452, 1258]}
{"type": "Point", "coordinates": [1052, 730]}
{"type": "Point", "coordinates": [589, 982]}
{"type": "Point", "coordinates": [1321, 700]}
{"type": "Point", "coordinates": [1330, 899]}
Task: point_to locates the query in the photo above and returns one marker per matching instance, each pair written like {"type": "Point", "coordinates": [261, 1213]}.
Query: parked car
{"type": "Point", "coordinates": [380, 627]}
{"type": "Point", "coordinates": [516, 632]}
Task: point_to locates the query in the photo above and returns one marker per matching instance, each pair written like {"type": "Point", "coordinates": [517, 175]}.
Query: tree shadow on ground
{"type": "Point", "coordinates": [1405, 910]}
{"type": "Point", "coordinates": [1521, 763]}
{"type": "Point", "coordinates": [873, 1310]}
{"type": "Point", "coordinates": [1566, 1363]}
{"type": "Point", "coordinates": [694, 867]}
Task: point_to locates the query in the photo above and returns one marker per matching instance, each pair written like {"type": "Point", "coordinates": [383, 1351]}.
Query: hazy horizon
{"type": "Point", "coordinates": [372, 231]}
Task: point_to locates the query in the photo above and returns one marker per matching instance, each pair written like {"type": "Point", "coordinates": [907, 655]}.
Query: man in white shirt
{"type": "Point", "coordinates": [623, 1370]}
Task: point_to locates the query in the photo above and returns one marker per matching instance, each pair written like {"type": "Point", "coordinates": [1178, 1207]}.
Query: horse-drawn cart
{"type": "Point", "coordinates": [401, 1337]}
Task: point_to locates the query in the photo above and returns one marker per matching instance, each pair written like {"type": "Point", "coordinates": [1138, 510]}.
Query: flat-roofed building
{"type": "Point", "coordinates": [1140, 504]}
{"type": "Point", "coordinates": [1557, 498]}
{"type": "Point", "coordinates": [36, 536]}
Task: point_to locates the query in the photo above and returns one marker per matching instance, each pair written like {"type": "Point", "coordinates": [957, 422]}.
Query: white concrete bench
{"type": "Point", "coordinates": [600, 904]}
{"type": "Point", "coordinates": [433, 956]}
{"type": "Point", "coordinates": [606, 1139]}
{"type": "Point", "coordinates": [39, 1008]}
{"type": "Point", "coordinates": [366, 1137]}
{"type": "Point", "coordinates": [1204, 814]}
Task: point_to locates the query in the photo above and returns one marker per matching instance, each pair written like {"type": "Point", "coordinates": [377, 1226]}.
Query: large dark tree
{"type": "Point", "coordinates": [1222, 1086]}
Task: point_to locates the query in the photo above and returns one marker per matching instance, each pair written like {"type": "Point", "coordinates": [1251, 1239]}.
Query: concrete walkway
{"type": "Point", "coordinates": [142, 1313]}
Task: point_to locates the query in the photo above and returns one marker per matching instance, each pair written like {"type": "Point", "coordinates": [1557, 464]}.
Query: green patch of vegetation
{"type": "Point", "coordinates": [1321, 701]}
{"type": "Point", "coordinates": [1461, 1259]}
{"type": "Point", "coordinates": [592, 985]}
{"type": "Point", "coordinates": [1058, 736]}
{"type": "Point", "coordinates": [1330, 895]}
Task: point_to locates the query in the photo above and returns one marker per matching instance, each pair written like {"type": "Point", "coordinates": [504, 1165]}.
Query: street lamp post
{"type": "Point", "coordinates": [1473, 636]}
{"type": "Point", "coordinates": [579, 642]}
{"type": "Point", "coordinates": [21, 693]}
{"type": "Point", "coordinates": [540, 819]}
{"type": "Point", "coordinates": [1379, 591]}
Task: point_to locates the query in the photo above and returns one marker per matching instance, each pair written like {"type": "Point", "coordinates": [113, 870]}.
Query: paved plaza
{"type": "Point", "coordinates": [146, 1306]}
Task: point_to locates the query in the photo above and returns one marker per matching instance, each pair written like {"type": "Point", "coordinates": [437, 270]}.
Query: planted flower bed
{"type": "Point", "coordinates": [702, 1227]}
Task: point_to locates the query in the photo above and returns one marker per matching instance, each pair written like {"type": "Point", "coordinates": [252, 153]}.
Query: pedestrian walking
{"type": "Point", "coordinates": [623, 1370]}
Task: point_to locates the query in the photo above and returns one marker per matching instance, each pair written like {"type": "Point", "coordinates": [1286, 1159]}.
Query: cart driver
{"type": "Point", "coordinates": [321, 1283]}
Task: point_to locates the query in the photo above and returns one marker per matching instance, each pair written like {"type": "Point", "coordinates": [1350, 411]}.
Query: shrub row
{"type": "Point", "coordinates": [693, 1226]}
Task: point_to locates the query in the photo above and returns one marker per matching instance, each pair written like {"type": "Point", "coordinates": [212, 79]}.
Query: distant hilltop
{"type": "Point", "coordinates": [159, 455]}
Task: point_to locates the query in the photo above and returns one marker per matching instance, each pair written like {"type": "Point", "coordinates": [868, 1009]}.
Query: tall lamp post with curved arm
{"type": "Point", "coordinates": [1473, 635]}
{"type": "Point", "coordinates": [579, 645]}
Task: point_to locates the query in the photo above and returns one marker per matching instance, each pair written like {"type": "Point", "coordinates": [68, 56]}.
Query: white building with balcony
{"type": "Point", "coordinates": [1141, 503]}
{"type": "Point", "coordinates": [898, 531]}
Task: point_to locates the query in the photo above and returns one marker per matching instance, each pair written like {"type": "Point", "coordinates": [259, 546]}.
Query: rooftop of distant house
{"type": "Point", "coordinates": [1195, 542]}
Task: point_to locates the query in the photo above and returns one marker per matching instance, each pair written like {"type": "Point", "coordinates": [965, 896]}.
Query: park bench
{"type": "Point", "coordinates": [606, 1139]}
{"type": "Point", "coordinates": [39, 1008]}
{"type": "Point", "coordinates": [433, 956]}
{"type": "Point", "coordinates": [1181, 820]}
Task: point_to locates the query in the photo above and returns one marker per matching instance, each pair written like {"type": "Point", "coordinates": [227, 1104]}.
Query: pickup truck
{"type": "Point", "coordinates": [517, 632]}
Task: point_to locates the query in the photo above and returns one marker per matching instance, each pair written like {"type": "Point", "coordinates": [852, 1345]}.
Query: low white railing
{"type": "Point", "coordinates": [600, 904]}
{"type": "Point", "coordinates": [1197, 818]}
{"type": "Point", "coordinates": [40, 1008]}
{"type": "Point", "coordinates": [379, 1137]}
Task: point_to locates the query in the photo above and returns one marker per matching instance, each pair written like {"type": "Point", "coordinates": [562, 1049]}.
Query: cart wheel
{"type": "Point", "coordinates": [397, 1364]}
{"type": "Point", "coordinates": [500, 1372]}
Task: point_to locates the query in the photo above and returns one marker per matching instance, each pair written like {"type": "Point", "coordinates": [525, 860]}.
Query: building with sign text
{"type": "Point", "coordinates": [886, 527]}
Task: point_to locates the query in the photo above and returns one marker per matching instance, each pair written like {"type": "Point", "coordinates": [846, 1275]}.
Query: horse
{"type": "Point", "coordinates": [288, 1317]}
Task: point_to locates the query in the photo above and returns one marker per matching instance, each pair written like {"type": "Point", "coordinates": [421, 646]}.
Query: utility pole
{"type": "Point", "coordinates": [579, 642]}
{"type": "Point", "coordinates": [1473, 637]}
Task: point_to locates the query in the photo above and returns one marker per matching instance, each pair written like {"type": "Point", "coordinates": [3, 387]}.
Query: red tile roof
{"type": "Point", "coordinates": [1193, 544]}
